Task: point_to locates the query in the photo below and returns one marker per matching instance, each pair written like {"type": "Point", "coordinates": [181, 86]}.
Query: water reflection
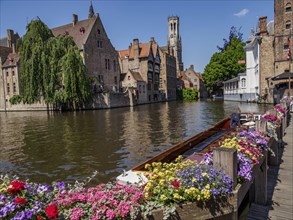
{"type": "Point", "coordinates": [70, 146]}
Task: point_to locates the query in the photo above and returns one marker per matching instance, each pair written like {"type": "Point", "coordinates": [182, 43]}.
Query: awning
{"type": "Point", "coordinates": [282, 76]}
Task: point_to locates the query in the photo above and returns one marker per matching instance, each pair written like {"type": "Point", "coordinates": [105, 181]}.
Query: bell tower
{"type": "Point", "coordinates": [174, 41]}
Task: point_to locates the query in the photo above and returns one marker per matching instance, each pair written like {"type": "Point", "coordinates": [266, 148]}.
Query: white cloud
{"type": "Point", "coordinates": [242, 13]}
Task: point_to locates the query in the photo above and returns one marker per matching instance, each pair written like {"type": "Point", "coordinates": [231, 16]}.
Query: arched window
{"type": "Point", "coordinates": [171, 26]}
{"type": "Point", "coordinates": [288, 8]}
{"type": "Point", "coordinates": [288, 25]}
{"type": "Point", "coordinates": [243, 83]}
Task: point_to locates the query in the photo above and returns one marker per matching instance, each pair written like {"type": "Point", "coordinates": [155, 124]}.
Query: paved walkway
{"type": "Point", "coordinates": [280, 185]}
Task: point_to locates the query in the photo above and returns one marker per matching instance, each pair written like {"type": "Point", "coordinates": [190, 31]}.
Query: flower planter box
{"type": "Point", "coordinates": [214, 209]}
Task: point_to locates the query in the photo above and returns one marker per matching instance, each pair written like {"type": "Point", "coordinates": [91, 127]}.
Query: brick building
{"type": "Point", "coordinates": [191, 79]}
{"type": "Point", "coordinates": [99, 55]}
{"type": "Point", "coordinates": [9, 69]}
{"type": "Point", "coordinates": [168, 77]}
{"type": "Point", "coordinates": [274, 45]}
{"type": "Point", "coordinates": [143, 58]}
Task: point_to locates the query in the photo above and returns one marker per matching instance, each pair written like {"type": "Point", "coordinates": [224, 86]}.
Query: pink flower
{"type": "Point", "coordinates": [76, 213]}
{"type": "Point", "coordinates": [110, 214]}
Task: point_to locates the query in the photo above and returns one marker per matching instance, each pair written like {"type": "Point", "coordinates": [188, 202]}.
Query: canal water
{"type": "Point", "coordinates": [69, 146]}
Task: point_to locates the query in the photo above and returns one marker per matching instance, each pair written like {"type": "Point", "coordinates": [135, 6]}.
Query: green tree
{"type": "Point", "coordinates": [33, 61]}
{"type": "Point", "coordinates": [224, 65]}
{"type": "Point", "coordinates": [51, 68]}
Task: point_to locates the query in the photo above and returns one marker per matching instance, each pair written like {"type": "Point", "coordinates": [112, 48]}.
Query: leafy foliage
{"type": "Point", "coordinates": [224, 64]}
{"type": "Point", "coordinates": [51, 68]}
{"type": "Point", "coordinates": [188, 94]}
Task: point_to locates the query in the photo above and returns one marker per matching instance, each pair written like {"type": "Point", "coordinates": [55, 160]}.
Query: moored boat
{"type": "Point", "coordinates": [192, 148]}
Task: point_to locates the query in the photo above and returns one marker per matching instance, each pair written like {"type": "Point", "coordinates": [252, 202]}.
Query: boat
{"type": "Point", "coordinates": [193, 148]}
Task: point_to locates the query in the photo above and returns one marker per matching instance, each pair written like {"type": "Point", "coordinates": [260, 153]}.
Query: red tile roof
{"type": "Point", "coordinates": [144, 51]}
{"type": "Point", "coordinates": [79, 32]}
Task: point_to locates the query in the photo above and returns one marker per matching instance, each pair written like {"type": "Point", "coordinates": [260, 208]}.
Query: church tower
{"type": "Point", "coordinates": [91, 11]}
{"type": "Point", "coordinates": [174, 41]}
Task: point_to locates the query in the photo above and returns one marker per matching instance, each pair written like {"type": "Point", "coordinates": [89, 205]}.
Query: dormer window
{"type": "Point", "coordinates": [129, 77]}
{"type": "Point", "coordinates": [288, 8]}
{"type": "Point", "coordinates": [82, 30]}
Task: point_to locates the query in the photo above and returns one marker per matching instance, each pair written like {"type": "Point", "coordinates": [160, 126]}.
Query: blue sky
{"type": "Point", "coordinates": [203, 24]}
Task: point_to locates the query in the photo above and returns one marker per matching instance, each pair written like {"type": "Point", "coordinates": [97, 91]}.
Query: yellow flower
{"type": "Point", "coordinates": [163, 197]}
{"type": "Point", "coordinates": [204, 174]}
{"type": "Point", "coordinates": [207, 186]}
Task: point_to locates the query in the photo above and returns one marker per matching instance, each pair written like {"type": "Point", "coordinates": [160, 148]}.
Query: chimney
{"type": "Point", "coordinates": [135, 48]}
{"type": "Point", "coordinates": [74, 19]}
{"type": "Point", "coordinates": [263, 25]}
{"type": "Point", "coordinates": [10, 36]}
{"type": "Point", "coordinates": [152, 39]}
{"type": "Point", "coordinates": [191, 67]}
{"type": "Point", "coordinates": [13, 48]}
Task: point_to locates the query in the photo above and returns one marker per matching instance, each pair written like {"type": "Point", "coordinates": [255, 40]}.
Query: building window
{"type": "Point", "coordinates": [99, 32]}
{"type": "Point", "coordinates": [288, 25]}
{"type": "Point", "coordinates": [139, 88]}
{"type": "Point", "coordinates": [143, 88]}
{"type": "Point", "coordinates": [14, 88]}
{"type": "Point", "coordinates": [243, 83]}
{"type": "Point", "coordinates": [286, 46]}
{"type": "Point", "coordinates": [8, 88]}
{"type": "Point", "coordinates": [100, 44]}
{"type": "Point", "coordinates": [114, 65]}
{"type": "Point", "coordinates": [115, 79]}
{"type": "Point", "coordinates": [13, 73]}
{"type": "Point", "coordinates": [107, 64]}
{"type": "Point", "coordinates": [101, 79]}
{"type": "Point", "coordinates": [129, 77]}
{"type": "Point", "coordinates": [7, 73]}
{"type": "Point", "coordinates": [288, 8]}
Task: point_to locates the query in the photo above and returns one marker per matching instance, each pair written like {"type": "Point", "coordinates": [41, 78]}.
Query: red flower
{"type": "Point", "coordinates": [143, 186]}
{"type": "Point", "coordinates": [15, 187]}
{"type": "Point", "coordinates": [52, 211]}
{"type": "Point", "coordinates": [20, 201]}
{"type": "Point", "coordinates": [40, 217]}
{"type": "Point", "coordinates": [176, 184]}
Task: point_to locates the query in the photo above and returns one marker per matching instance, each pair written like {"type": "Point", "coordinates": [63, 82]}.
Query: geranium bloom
{"type": "Point", "coordinates": [20, 201]}
{"type": "Point", "coordinates": [176, 184]}
{"type": "Point", "coordinates": [15, 187]}
{"type": "Point", "coordinates": [52, 211]}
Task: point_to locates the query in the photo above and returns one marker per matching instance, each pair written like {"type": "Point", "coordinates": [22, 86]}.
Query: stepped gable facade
{"type": "Point", "coordinates": [96, 49]}
{"type": "Point", "coordinates": [143, 58]}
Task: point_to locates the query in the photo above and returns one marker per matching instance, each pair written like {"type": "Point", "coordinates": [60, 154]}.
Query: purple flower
{"type": "Point", "coordinates": [2, 198]}
{"type": "Point", "coordinates": [29, 214]}
{"type": "Point", "coordinates": [7, 209]}
{"type": "Point", "coordinates": [43, 188]}
{"type": "Point", "coordinates": [220, 184]}
{"type": "Point", "coordinates": [61, 185]}
{"type": "Point", "coordinates": [19, 216]}
{"type": "Point", "coordinates": [244, 167]}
